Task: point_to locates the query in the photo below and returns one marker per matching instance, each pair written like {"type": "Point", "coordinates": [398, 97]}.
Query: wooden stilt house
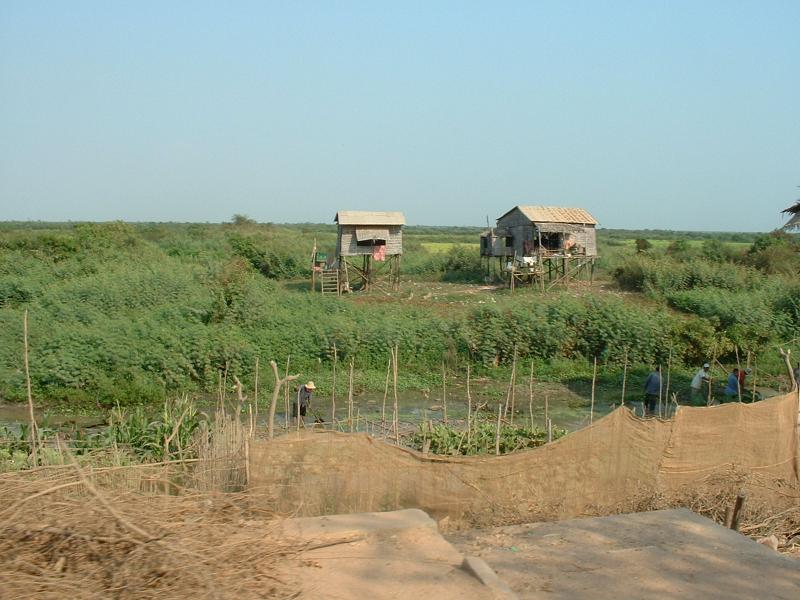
{"type": "Point", "coordinates": [369, 246]}
{"type": "Point", "coordinates": [542, 244]}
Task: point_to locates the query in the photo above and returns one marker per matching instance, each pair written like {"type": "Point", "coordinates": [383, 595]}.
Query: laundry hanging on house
{"type": "Point", "coordinates": [379, 252]}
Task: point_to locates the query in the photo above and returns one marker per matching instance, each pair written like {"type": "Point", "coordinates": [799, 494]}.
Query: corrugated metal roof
{"type": "Point", "coordinates": [369, 217]}
{"type": "Point", "coordinates": [555, 214]}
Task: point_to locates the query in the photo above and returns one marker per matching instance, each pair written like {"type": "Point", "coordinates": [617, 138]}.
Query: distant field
{"type": "Point", "coordinates": [691, 243]}
{"type": "Point", "coordinates": [435, 247]}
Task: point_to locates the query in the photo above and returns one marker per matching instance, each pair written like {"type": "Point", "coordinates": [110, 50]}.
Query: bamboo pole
{"type": "Point", "coordinates": [275, 395]}
{"type": "Point", "coordinates": [530, 396]}
{"type": "Point", "coordinates": [385, 393]}
{"type": "Point", "coordinates": [594, 382]}
{"type": "Point", "coordinates": [497, 430]}
{"type": "Point", "coordinates": [444, 393]}
{"type": "Point", "coordinates": [513, 383]}
{"type": "Point", "coordinates": [624, 376]}
{"type": "Point", "coordinates": [469, 411]}
{"type": "Point", "coordinates": [255, 398]}
{"type": "Point", "coordinates": [297, 407]}
{"type": "Point", "coordinates": [34, 430]}
{"type": "Point", "coordinates": [333, 388]}
{"type": "Point", "coordinates": [660, 389]}
{"type": "Point", "coordinates": [350, 398]}
{"type": "Point", "coordinates": [546, 409]}
{"type": "Point", "coordinates": [669, 373]}
{"type": "Point", "coordinates": [755, 374]}
{"type": "Point", "coordinates": [286, 394]}
{"type": "Point", "coordinates": [396, 416]}
{"type": "Point", "coordinates": [549, 430]}
{"type": "Point", "coordinates": [738, 373]}
{"type": "Point", "coordinates": [710, 377]}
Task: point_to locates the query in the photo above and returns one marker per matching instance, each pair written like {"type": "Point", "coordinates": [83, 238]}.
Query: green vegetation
{"type": "Point", "coordinates": [127, 315]}
{"type": "Point", "coordinates": [450, 440]}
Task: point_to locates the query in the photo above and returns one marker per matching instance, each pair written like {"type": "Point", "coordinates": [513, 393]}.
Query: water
{"type": "Point", "coordinates": [567, 409]}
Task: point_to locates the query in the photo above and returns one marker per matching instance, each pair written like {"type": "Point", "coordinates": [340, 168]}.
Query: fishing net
{"type": "Point", "coordinates": [595, 470]}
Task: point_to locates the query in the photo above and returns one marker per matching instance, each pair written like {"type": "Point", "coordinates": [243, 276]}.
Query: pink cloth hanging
{"type": "Point", "coordinates": [379, 253]}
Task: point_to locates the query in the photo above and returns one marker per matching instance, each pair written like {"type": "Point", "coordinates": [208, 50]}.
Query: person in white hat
{"type": "Point", "coordinates": [701, 377]}
{"type": "Point", "coordinates": [304, 395]}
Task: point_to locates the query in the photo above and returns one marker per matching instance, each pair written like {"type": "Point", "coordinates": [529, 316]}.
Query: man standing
{"type": "Point", "coordinates": [303, 401]}
{"type": "Point", "coordinates": [701, 377]}
{"type": "Point", "coordinates": [652, 391]}
{"type": "Point", "coordinates": [732, 387]}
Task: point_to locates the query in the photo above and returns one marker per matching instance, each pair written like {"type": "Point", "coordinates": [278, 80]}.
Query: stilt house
{"type": "Point", "coordinates": [543, 242]}
{"type": "Point", "coordinates": [368, 248]}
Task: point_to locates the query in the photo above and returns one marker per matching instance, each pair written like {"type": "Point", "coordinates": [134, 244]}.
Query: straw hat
{"type": "Point", "coordinates": [310, 386]}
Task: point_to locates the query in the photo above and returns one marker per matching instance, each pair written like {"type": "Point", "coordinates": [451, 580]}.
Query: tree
{"type": "Point", "coordinates": [242, 220]}
{"type": "Point", "coordinates": [643, 245]}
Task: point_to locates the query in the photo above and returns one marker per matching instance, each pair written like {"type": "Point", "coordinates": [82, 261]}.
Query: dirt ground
{"type": "Point", "coordinates": [654, 555]}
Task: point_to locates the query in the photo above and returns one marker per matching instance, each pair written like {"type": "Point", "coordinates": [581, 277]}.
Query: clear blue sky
{"type": "Point", "coordinates": [650, 114]}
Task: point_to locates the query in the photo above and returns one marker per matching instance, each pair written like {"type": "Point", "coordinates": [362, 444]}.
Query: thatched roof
{"type": "Point", "coordinates": [794, 221]}
{"type": "Point", "coordinates": [369, 217]}
{"type": "Point", "coordinates": [555, 214]}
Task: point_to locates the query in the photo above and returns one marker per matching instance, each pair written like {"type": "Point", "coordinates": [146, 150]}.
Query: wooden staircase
{"type": "Point", "coordinates": [330, 281]}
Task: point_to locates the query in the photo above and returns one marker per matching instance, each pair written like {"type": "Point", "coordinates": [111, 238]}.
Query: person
{"type": "Point", "coordinates": [731, 390]}
{"type": "Point", "coordinates": [743, 373]}
{"type": "Point", "coordinates": [652, 390]}
{"type": "Point", "coordinates": [797, 374]}
{"type": "Point", "coordinates": [303, 401]}
{"type": "Point", "coordinates": [701, 377]}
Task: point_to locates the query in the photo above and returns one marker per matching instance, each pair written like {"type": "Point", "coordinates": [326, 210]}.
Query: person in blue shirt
{"type": "Point", "coordinates": [732, 388]}
{"type": "Point", "coordinates": [652, 390]}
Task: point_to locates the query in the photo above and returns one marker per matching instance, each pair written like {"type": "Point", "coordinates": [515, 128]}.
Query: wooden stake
{"type": "Point", "coordinates": [660, 389]}
{"type": "Point", "coordinates": [286, 394]}
{"type": "Point", "coordinates": [738, 373]}
{"type": "Point", "coordinates": [549, 430]}
{"type": "Point", "coordinates": [333, 390]}
{"type": "Point", "coordinates": [737, 511]}
{"type": "Point", "coordinates": [255, 399]}
{"type": "Point", "coordinates": [546, 409]}
{"type": "Point", "coordinates": [513, 383]}
{"type": "Point", "coordinates": [350, 398]}
{"type": "Point", "coordinates": [396, 416]}
{"type": "Point", "coordinates": [669, 372]}
{"type": "Point", "coordinates": [497, 430]}
{"type": "Point", "coordinates": [444, 393]}
{"type": "Point", "coordinates": [34, 430]}
{"type": "Point", "coordinates": [385, 394]}
{"type": "Point", "coordinates": [530, 396]}
{"type": "Point", "coordinates": [469, 411]}
{"type": "Point", "coordinates": [275, 394]}
{"type": "Point", "coordinates": [624, 376]}
{"type": "Point", "coordinates": [594, 382]}
{"type": "Point", "coordinates": [787, 358]}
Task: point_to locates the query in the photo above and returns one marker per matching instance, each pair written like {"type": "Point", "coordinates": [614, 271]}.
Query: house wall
{"type": "Point", "coordinates": [519, 226]}
{"type": "Point", "coordinates": [588, 239]}
{"type": "Point", "coordinates": [346, 244]}
{"type": "Point", "coordinates": [522, 229]}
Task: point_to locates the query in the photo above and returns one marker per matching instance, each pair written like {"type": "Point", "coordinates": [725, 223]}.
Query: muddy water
{"type": "Point", "coordinates": [566, 408]}
{"type": "Point", "coordinates": [14, 414]}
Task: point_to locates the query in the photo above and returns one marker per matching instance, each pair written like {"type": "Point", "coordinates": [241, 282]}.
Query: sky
{"type": "Point", "coordinates": [649, 114]}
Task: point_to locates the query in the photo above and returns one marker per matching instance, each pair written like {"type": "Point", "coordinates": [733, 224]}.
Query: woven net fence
{"type": "Point", "coordinates": [621, 462]}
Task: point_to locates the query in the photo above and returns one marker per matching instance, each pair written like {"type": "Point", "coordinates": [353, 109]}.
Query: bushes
{"type": "Point", "coordinates": [660, 275]}
{"type": "Point", "coordinates": [120, 314]}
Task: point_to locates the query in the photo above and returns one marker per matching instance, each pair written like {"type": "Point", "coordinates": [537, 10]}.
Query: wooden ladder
{"type": "Point", "coordinates": [330, 281]}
